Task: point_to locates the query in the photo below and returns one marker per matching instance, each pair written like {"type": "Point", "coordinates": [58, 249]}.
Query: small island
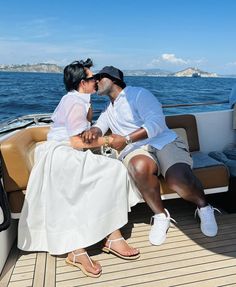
{"type": "Point", "coordinates": [194, 72]}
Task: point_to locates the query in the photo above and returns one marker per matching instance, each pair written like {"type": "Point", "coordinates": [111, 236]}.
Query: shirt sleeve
{"type": "Point", "coordinates": [150, 111]}
{"type": "Point", "coordinates": [76, 119]}
{"type": "Point", "coordinates": [102, 123]}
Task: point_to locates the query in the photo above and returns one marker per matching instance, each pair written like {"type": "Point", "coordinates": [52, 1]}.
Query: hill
{"type": "Point", "coordinates": [193, 72]}
{"type": "Point", "coordinates": [36, 68]}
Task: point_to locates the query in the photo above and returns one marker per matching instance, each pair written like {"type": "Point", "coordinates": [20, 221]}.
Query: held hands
{"type": "Point", "coordinates": [89, 136]}
{"type": "Point", "coordinates": [94, 135]}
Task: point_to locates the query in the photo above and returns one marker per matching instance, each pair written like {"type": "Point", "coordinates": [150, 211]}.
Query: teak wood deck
{"type": "Point", "coordinates": [187, 258]}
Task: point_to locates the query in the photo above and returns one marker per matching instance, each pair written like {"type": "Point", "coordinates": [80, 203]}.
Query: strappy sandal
{"type": "Point", "coordinates": [80, 266]}
{"type": "Point", "coordinates": [110, 250]}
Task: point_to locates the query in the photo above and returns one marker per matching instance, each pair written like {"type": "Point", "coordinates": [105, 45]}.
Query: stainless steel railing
{"type": "Point", "coordinates": [195, 104]}
{"type": "Point", "coordinates": [32, 119]}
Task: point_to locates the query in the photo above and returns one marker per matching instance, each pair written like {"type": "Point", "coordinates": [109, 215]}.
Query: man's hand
{"type": "Point", "coordinates": [118, 142]}
{"type": "Point", "coordinates": [90, 135]}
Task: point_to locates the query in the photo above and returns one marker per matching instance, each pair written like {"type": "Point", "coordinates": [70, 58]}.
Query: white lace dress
{"type": "Point", "coordinates": [73, 198]}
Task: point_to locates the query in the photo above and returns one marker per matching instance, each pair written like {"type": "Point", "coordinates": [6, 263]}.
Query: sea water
{"type": "Point", "coordinates": [29, 93]}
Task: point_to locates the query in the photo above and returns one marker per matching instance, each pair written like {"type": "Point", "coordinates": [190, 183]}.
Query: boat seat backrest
{"type": "Point", "coordinates": [17, 151]}
{"type": "Point", "coordinates": [185, 126]}
{"type": "Point", "coordinates": [17, 156]}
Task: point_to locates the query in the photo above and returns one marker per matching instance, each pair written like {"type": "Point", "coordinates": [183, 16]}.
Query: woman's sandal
{"type": "Point", "coordinates": [80, 266]}
{"type": "Point", "coordinates": [110, 250]}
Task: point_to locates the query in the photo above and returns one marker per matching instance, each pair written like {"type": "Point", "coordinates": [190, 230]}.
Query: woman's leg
{"type": "Point", "coordinates": [120, 246]}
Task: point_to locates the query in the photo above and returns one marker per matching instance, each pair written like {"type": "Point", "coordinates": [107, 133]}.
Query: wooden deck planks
{"type": "Point", "coordinates": [50, 275]}
{"type": "Point", "coordinates": [9, 267]}
{"type": "Point", "coordinates": [187, 258]}
{"type": "Point", "coordinates": [40, 269]}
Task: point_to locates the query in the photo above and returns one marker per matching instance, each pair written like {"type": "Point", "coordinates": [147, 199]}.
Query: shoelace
{"type": "Point", "coordinates": [212, 208]}
{"type": "Point", "coordinates": [171, 219]}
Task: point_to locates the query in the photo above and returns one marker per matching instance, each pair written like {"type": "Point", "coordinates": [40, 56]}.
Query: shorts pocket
{"type": "Point", "coordinates": [180, 143]}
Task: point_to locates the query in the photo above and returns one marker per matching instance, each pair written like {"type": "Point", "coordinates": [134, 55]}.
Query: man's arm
{"type": "Point", "coordinates": [120, 142]}
{"type": "Point", "coordinates": [151, 112]}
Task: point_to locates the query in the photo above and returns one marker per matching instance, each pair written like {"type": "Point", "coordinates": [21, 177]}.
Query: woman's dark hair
{"type": "Point", "coordinates": [75, 72]}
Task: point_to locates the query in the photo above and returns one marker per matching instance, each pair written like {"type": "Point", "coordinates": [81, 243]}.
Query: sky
{"type": "Point", "coordinates": [129, 34]}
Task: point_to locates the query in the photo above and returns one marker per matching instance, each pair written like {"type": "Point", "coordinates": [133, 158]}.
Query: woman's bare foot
{"type": "Point", "coordinates": [89, 265]}
{"type": "Point", "coordinates": [120, 246]}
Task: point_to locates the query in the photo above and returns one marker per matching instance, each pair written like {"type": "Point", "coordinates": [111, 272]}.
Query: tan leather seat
{"type": "Point", "coordinates": [17, 158]}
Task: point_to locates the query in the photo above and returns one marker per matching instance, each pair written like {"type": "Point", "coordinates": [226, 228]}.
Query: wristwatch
{"type": "Point", "coordinates": [128, 139]}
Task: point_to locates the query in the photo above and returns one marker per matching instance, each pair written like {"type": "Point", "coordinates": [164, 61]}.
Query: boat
{"type": "Point", "coordinates": [185, 259]}
{"type": "Point", "coordinates": [196, 75]}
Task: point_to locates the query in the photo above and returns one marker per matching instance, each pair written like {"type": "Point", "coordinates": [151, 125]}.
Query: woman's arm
{"type": "Point", "coordinates": [76, 142]}
{"type": "Point", "coordinates": [90, 114]}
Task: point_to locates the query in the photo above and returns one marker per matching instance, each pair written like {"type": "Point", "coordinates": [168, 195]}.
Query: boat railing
{"type": "Point", "coordinates": [195, 104]}
{"type": "Point", "coordinates": [36, 119]}
{"type": "Point", "coordinates": [21, 122]}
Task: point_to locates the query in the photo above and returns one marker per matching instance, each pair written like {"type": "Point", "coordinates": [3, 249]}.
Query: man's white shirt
{"type": "Point", "coordinates": [136, 108]}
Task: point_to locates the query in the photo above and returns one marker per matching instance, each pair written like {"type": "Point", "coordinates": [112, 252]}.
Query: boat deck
{"type": "Point", "coordinates": [187, 258]}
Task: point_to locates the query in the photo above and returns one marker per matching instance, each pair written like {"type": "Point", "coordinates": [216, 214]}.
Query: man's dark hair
{"type": "Point", "coordinates": [75, 72]}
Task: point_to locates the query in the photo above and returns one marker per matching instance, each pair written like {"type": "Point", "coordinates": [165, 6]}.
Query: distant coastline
{"type": "Point", "coordinates": [53, 68]}
{"type": "Point", "coordinates": [33, 68]}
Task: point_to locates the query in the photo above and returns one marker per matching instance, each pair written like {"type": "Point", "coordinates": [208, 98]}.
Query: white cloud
{"type": "Point", "coordinates": [171, 58]}
{"type": "Point", "coordinates": [167, 58]}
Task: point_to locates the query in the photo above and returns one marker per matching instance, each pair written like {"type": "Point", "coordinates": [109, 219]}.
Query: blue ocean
{"type": "Point", "coordinates": [29, 93]}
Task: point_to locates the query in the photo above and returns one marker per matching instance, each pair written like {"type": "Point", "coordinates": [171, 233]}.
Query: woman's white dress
{"type": "Point", "coordinates": [74, 198]}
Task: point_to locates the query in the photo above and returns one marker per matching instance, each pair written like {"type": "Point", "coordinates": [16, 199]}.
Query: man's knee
{"type": "Point", "coordinates": [180, 174]}
{"type": "Point", "coordinates": [141, 166]}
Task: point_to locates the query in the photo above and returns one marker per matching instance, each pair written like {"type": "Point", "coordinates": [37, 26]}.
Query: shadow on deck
{"type": "Point", "coordinates": [187, 258]}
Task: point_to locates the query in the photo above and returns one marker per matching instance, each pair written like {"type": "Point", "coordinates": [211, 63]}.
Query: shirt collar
{"type": "Point", "coordinates": [83, 96]}
{"type": "Point", "coordinates": [121, 94]}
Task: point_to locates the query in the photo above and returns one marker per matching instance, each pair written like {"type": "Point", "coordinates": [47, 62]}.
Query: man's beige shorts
{"type": "Point", "coordinates": [172, 153]}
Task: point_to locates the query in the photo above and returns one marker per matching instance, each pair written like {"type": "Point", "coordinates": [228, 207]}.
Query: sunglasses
{"type": "Point", "coordinates": [90, 79]}
{"type": "Point", "coordinates": [99, 77]}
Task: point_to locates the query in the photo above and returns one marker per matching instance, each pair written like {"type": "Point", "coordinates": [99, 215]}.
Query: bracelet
{"type": "Point", "coordinates": [106, 142]}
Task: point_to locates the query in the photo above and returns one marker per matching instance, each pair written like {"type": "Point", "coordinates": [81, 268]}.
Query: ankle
{"type": "Point", "coordinates": [114, 235]}
{"type": "Point", "coordinates": [202, 203]}
{"type": "Point", "coordinates": [78, 251]}
{"type": "Point", "coordinates": [164, 211]}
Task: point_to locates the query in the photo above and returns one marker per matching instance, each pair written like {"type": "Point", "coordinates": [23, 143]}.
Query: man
{"type": "Point", "coordinates": [148, 148]}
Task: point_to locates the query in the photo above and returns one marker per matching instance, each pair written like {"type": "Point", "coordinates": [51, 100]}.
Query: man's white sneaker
{"type": "Point", "coordinates": [208, 222]}
{"type": "Point", "coordinates": [160, 226]}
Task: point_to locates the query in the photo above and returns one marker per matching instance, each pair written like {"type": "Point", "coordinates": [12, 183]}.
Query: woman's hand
{"type": "Point", "coordinates": [77, 142]}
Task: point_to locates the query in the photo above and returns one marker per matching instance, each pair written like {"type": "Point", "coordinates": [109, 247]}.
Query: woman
{"type": "Point", "coordinates": [74, 199]}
